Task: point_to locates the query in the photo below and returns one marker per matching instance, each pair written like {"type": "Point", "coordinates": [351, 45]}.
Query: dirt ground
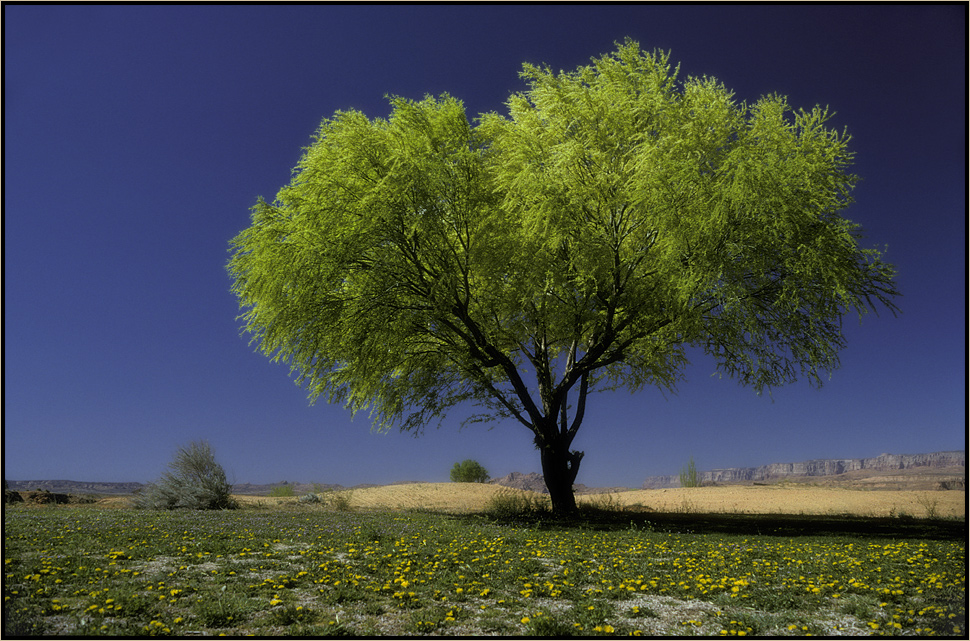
{"type": "Point", "coordinates": [749, 499]}
{"type": "Point", "coordinates": [777, 499]}
{"type": "Point", "coordinates": [447, 497]}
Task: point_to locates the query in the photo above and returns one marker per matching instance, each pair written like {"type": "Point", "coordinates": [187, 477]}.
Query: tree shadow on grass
{"type": "Point", "coordinates": [781, 525]}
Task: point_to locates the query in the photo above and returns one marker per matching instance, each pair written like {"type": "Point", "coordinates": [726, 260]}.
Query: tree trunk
{"type": "Point", "coordinates": [559, 469]}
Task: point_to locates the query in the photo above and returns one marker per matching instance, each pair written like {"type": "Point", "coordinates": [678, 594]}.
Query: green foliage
{"type": "Point", "coordinates": [545, 625]}
{"type": "Point", "coordinates": [23, 621]}
{"type": "Point", "coordinates": [591, 613]}
{"type": "Point", "coordinates": [469, 471]}
{"type": "Point", "coordinates": [282, 490]}
{"type": "Point", "coordinates": [616, 218]}
{"type": "Point", "coordinates": [289, 614]}
{"type": "Point", "coordinates": [194, 481]}
{"type": "Point", "coordinates": [221, 610]}
{"type": "Point", "coordinates": [688, 475]}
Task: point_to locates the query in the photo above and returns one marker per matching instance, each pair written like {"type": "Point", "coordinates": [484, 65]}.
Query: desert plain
{"type": "Point", "coordinates": [780, 498]}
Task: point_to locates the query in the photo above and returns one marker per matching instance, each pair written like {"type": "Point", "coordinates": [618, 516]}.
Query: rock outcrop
{"type": "Point", "coordinates": [532, 482]}
{"type": "Point", "coordinates": [818, 467]}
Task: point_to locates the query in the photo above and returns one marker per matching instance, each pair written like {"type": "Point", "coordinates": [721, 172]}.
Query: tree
{"type": "Point", "coordinates": [469, 471]}
{"type": "Point", "coordinates": [194, 480]}
{"type": "Point", "coordinates": [613, 221]}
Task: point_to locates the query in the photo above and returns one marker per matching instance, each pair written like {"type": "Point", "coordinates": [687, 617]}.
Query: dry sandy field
{"type": "Point", "coordinates": [741, 499]}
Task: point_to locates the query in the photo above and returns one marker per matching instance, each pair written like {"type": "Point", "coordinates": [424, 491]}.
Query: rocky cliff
{"type": "Point", "coordinates": [818, 467]}
{"type": "Point", "coordinates": [532, 482]}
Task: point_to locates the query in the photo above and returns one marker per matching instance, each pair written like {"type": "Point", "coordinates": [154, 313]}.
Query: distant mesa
{"type": "Point", "coordinates": [73, 487]}
{"type": "Point", "coordinates": [531, 482]}
{"type": "Point", "coordinates": [818, 467]}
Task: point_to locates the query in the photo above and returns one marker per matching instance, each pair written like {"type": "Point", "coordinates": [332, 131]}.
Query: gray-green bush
{"type": "Point", "coordinates": [194, 481]}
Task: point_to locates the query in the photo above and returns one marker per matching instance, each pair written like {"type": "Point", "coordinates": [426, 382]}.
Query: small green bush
{"type": "Point", "coordinates": [194, 481]}
{"type": "Point", "coordinates": [469, 471]}
{"type": "Point", "coordinates": [283, 490]}
{"type": "Point", "coordinates": [689, 476]}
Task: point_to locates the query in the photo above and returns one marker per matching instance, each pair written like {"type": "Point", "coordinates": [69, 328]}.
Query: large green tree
{"type": "Point", "coordinates": [616, 221]}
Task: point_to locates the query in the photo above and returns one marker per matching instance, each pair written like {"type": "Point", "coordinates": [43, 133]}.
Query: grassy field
{"type": "Point", "coordinates": [425, 560]}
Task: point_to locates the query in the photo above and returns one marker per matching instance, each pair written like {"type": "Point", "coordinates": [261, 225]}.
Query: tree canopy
{"type": "Point", "coordinates": [469, 471]}
{"type": "Point", "coordinates": [614, 220]}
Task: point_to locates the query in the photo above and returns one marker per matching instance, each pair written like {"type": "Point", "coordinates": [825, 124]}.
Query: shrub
{"type": "Point", "coordinates": [283, 490]}
{"type": "Point", "coordinates": [929, 504]}
{"type": "Point", "coordinates": [339, 501]}
{"type": "Point", "coordinates": [469, 471]}
{"type": "Point", "coordinates": [194, 481]}
{"type": "Point", "coordinates": [329, 498]}
{"type": "Point", "coordinates": [689, 476]}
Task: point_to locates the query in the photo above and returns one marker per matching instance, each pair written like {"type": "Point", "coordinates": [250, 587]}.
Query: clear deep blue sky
{"type": "Point", "coordinates": [136, 138]}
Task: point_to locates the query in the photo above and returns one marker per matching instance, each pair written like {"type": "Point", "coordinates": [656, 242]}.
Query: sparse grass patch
{"type": "Point", "coordinates": [218, 611]}
{"type": "Point", "coordinates": [290, 614]}
{"type": "Point", "coordinates": [542, 624]}
{"type": "Point", "coordinates": [598, 503]}
{"type": "Point", "coordinates": [588, 614]}
{"type": "Point", "coordinates": [509, 504]}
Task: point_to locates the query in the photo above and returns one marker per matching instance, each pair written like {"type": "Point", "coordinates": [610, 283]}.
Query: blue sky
{"type": "Point", "coordinates": [136, 138]}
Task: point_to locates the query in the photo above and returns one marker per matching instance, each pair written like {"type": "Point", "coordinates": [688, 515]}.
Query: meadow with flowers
{"type": "Point", "coordinates": [310, 571]}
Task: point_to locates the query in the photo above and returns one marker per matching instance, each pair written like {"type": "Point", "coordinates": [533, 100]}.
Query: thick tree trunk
{"type": "Point", "coordinates": [559, 469]}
